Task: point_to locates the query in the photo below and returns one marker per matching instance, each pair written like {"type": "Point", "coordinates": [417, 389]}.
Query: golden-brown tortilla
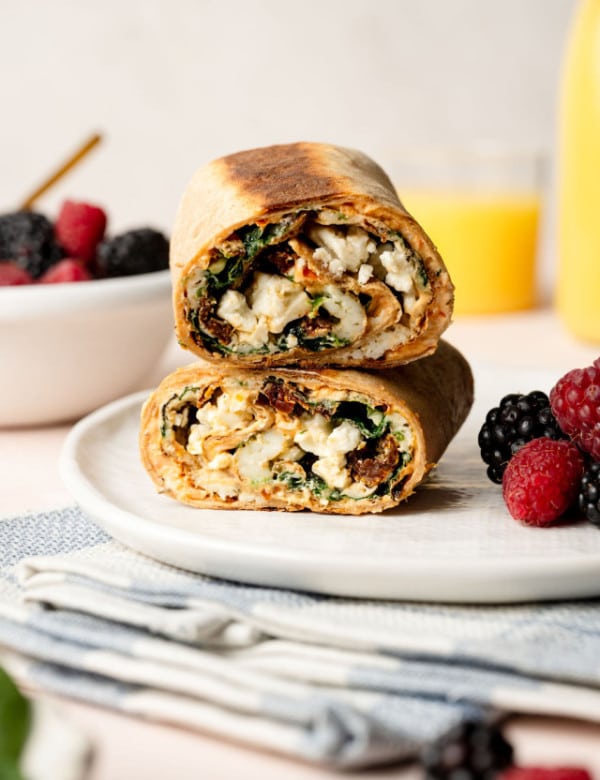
{"type": "Point", "coordinates": [262, 186]}
{"type": "Point", "coordinates": [434, 396]}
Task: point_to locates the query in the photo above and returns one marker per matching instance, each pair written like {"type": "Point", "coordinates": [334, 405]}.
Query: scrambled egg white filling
{"type": "Point", "coordinates": [331, 445]}
{"type": "Point", "coordinates": [269, 442]}
{"type": "Point", "coordinates": [341, 250]}
{"type": "Point", "coordinates": [354, 250]}
{"type": "Point", "coordinates": [271, 302]}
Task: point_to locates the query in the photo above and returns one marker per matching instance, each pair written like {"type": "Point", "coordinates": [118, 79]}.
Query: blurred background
{"type": "Point", "coordinates": [175, 84]}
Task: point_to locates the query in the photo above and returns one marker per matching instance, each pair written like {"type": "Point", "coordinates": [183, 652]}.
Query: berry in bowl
{"type": "Point", "coordinates": [83, 316]}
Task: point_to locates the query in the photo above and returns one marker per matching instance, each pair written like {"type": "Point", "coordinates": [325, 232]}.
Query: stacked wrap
{"type": "Point", "coordinates": [292, 265]}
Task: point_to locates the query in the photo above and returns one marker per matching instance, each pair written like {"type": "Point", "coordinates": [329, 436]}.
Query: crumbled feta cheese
{"type": "Point", "coordinates": [313, 436]}
{"type": "Point", "coordinates": [333, 470]}
{"type": "Point", "coordinates": [365, 272]}
{"type": "Point", "coordinates": [278, 300]}
{"type": "Point", "coordinates": [319, 437]}
{"type": "Point", "coordinates": [341, 249]}
{"type": "Point", "coordinates": [344, 438]}
{"type": "Point", "coordinates": [395, 259]}
{"type": "Point", "coordinates": [234, 309]}
{"type": "Point", "coordinates": [230, 412]}
{"type": "Point", "coordinates": [331, 444]}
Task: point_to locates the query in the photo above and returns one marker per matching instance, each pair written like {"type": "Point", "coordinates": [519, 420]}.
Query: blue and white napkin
{"type": "Point", "coordinates": [341, 682]}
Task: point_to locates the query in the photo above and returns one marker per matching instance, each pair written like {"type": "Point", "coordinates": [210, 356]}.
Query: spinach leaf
{"type": "Point", "coordinates": [316, 485]}
{"type": "Point", "coordinates": [315, 343]}
{"type": "Point", "coordinates": [423, 274]}
{"type": "Point", "coordinates": [252, 240]}
{"type": "Point", "coordinates": [293, 481]}
{"type": "Point", "coordinates": [256, 238]}
{"type": "Point", "coordinates": [221, 274]}
{"type": "Point", "coordinates": [212, 344]}
{"type": "Point", "coordinates": [370, 422]}
{"type": "Point", "coordinates": [163, 414]}
{"type": "Point", "coordinates": [15, 720]}
{"type": "Point", "coordinates": [330, 341]}
{"type": "Point", "coordinates": [187, 389]}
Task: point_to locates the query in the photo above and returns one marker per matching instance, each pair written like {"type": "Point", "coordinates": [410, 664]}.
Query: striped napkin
{"type": "Point", "coordinates": [341, 682]}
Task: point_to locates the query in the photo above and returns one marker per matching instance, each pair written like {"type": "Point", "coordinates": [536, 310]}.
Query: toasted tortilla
{"type": "Point", "coordinates": [206, 421]}
{"type": "Point", "coordinates": [267, 189]}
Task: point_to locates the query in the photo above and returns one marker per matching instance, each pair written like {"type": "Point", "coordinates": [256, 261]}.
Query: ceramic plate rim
{"type": "Point", "coordinates": [86, 494]}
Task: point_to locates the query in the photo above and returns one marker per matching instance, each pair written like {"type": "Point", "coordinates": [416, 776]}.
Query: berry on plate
{"type": "Point", "coordinates": [135, 252]}
{"type": "Point", "coordinates": [541, 481]}
{"type": "Point", "coordinates": [27, 238]}
{"type": "Point", "coordinates": [67, 270]}
{"type": "Point", "coordinates": [79, 229]}
{"type": "Point", "coordinates": [471, 750]}
{"type": "Point", "coordinates": [518, 419]}
{"type": "Point", "coordinates": [546, 773]}
{"type": "Point", "coordinates": [11, 274]}
{"type": "Point", "coordinates": [588, 499]}
{"type": "Point", "coordinates": [575, 402]}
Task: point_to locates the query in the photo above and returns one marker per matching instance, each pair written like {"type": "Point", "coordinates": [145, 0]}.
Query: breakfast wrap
{"type": "Point", "coordinates": [302, 254]}
{"type": "Point", "coordinates": [336, 441]}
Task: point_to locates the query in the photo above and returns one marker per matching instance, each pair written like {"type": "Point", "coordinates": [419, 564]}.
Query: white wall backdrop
{"type": "Point", "coordinates": [174, 83]}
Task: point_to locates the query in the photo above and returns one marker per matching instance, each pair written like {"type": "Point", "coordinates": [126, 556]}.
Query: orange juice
{"type": "Point", "coordinates": [578, 286]}
{"type": "Point", "coordinates": [488, 242]}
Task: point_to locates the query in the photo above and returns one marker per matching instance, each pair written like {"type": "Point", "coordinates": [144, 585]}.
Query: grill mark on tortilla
{"type": "Point", "coordinates": [282, 176]}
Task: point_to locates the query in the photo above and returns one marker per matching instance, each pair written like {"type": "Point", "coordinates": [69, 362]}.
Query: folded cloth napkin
{"type": "Point", "coordinates": [338, 681]}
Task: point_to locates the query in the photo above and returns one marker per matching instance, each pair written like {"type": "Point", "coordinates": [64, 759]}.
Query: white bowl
{"type": "Point", "coordinates": [66, 349]}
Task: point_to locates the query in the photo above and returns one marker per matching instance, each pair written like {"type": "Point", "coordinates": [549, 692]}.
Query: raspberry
{"type": "Point", "coordinates": [79, 229]}
{"type": "Point", "coordinates": [518, 419]}
{"type": "Point", "coordinates": [12, 274]}
{"type": "Point", "coordinates": [134, 252]}
{"type": "Point", "coordinates": [546, 773]}
{"type": "Point", "coordinates": [471, 750]}
{"type": "Point", "coordinates": [575, 401]}
{"type": "Point", "coordinates": [67, 270]}
{"type": "Point", "coordinates": [542, 480]}
{"type": "Point", "coordinates": [27, 239]}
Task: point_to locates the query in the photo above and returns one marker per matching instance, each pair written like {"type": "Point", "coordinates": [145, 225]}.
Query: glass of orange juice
{"type": "Point", "coordinates": [481, 209]}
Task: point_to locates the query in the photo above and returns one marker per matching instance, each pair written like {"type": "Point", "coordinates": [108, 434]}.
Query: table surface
{"type": "Point", "coordinates": [122, 744]}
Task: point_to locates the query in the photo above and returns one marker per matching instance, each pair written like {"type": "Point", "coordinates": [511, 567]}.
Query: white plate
{"type": "Point", "coordinates": [452, 541]}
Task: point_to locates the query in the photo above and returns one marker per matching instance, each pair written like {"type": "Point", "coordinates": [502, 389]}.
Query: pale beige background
{"type": "Point", "coordinates": [174, 83]}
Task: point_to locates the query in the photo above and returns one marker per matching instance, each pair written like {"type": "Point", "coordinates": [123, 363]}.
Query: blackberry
{"type": "Point", "coordinates": [518, 419]}
{"type": "Point", "coordinates": [589, 494]}
{"type": "Point", "coordinates": [135, 252]}
{"type": "Point", "coordinates": [27, 238]}
{"type": "Point", "coordinates": [471, 751]}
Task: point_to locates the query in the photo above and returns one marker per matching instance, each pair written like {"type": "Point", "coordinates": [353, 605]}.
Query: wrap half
{"type": "Point", "coordinates": [337, 441]}
{"type": "Point", "coordinates": [302, 254]}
